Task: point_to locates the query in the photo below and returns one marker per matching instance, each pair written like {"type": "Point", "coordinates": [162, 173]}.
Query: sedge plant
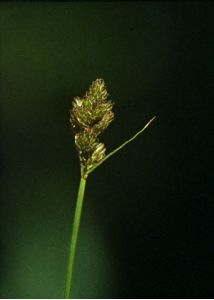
{"type": "Point", "coordinates": [90, 115]}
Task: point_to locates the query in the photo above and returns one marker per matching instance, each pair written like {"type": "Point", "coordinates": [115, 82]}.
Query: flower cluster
{"type": "Point", "coordinates": [89, 116]}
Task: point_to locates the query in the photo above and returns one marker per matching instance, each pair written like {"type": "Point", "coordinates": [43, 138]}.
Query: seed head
{"type": "Point", "coordinates": [89, 117]}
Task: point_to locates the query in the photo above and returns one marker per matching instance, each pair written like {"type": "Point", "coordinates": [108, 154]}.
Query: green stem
{"type": "Point", "coordinates": [121, 146]}
{"type": "Point", "coordinates": [78, 210]}
{"type": "Point", "coordinates": [74, 236]}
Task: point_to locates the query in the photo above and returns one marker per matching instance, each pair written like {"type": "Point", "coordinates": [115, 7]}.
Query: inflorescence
{"type": "Point", "coordinates": [89, 117]}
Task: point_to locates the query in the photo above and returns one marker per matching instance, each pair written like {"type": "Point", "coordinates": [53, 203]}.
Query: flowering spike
{"type": "Point", "coordinates": [89, 117]}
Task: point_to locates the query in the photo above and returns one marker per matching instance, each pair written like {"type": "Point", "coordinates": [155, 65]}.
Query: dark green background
{"type": "Point", "coordinates": [146, 224]}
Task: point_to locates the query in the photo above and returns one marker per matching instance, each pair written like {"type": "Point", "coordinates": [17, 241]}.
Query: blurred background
{"type": "Point", "coordinates": [146, 228]}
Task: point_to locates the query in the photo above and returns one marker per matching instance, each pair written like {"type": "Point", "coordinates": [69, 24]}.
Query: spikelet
{"type": "Point", "coordinates": [89, 117]}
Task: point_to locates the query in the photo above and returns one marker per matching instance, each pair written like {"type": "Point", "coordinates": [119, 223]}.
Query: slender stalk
{"type": "Point", "coordinates": [74, 236]}
{"type": "Point", "coordinates": [121, 146]}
